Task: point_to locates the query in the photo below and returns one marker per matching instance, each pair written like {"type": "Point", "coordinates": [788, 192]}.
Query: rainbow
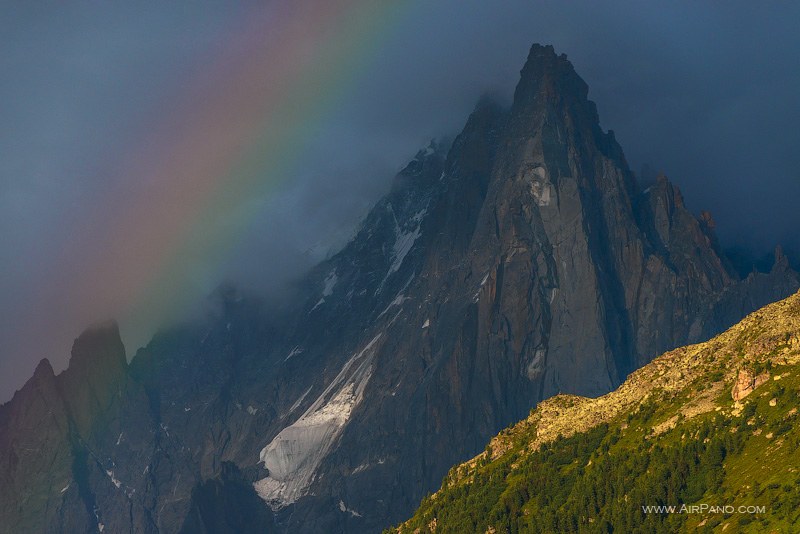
{"type": "Point", "coordinates": [233, 136]}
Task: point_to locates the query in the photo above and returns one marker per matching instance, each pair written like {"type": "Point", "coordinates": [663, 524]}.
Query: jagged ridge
{"type": "Point", "coordinates": [517, 263]}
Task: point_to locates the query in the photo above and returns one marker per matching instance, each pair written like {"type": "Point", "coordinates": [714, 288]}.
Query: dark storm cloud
{"type": "Point", "coordinates": [702, 93]}
{"type": "Point", "coordinates": [78, 84]}
{"type": "Point", "coordinates": [706, 93]}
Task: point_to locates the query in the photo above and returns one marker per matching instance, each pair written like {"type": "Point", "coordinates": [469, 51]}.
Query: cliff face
{"type": "Point", "coordinates": [704, 426]}
{"type": "Point", "coordinates": [520, 262]}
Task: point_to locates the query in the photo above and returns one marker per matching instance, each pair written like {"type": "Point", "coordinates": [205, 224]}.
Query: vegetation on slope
{"type": "Point", "coordinates": [673, 434]}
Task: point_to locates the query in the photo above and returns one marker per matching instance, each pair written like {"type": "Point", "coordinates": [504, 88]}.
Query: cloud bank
{"type": "Point", "coordinates": [705, 93]}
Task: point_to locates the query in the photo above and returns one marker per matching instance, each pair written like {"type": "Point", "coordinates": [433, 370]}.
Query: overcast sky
{"type": "Point", "coordinates": [706, 92]}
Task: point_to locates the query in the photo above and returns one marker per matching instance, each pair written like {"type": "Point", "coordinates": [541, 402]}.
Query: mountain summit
{"type": "Point", "coordinates": [520, 262]}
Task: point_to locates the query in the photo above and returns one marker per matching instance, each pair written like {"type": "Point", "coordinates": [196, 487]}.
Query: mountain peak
{"type": "Point", "coordinates": [548, 73]}
{"type": "Point", "coordinates": [539, 53]}
{"type": "Point", "coordinates": [518, 262]}
{"type": "Point", "coordinates": [424, 168]}
{"type": "Point", "coordinates": [551, 96]}
{"type": "Point", "coordinates": [96, 374]}
{"type": "Point", "coordinates": [781, 261]}
{"type": "Point", "coordinates": [43, 370]}
{"type": "Point", "coordinates": [99, 345]}
{"type": "Point", "coordinates": [43, 377]}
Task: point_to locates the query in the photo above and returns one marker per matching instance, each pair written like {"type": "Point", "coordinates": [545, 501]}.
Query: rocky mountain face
{"type": "Point", "coordinates": [710, 429]}
{"type": "Point", "coordinates": [520, 262]}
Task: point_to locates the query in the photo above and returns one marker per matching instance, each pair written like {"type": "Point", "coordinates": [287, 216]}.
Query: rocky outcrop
{"type": "Point", "coordinates": [746, 383]}
{"type": "Point", "coordinates": [675, 402]}
{"type": "Point", "coordinates": [520, 262]}
{"type": "Point", "coordinates": [54, 475]}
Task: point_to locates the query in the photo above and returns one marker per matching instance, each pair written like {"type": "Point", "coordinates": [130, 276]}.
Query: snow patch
{"type": "Point", "coordinates": [399, 299]}
{"type": "Point", "coordinates": [404, 240]}
{"type": "Point", "coordinates": [396, 317]}
{"type": "Point", "coordinates": [294, 455]}
{"type": "Point", "coordinates": [553, 292]}
{"type": "Point", "coordinates": [294, 352]}
{"type": "Point", "coordinates": [426, 324]}
{"type": "Point", "coordinates": [327, 290]}
{"type": "Point", "coordinates": [343, 507]}
{"type": "Point", "coordinates": [100, 525]}
{"type": "Point", "coordinates": [119, 439]}
{"type": "Point", "coordinates": [251, 410]}
{"type": "Point", "coordinates": [65, 488]}
{"type": "Point", "coordinates": [360, 468]}
{"type": "Point", "coordinates": [300, 400]}
{"type": "Point", "coordinates": [402, 246]}
{"type": "Point", "coordinates": [319, 303]}
{"type": "Point", "coordinates": [116, 482]}
{"type": "Point", "coordinates": [476, 297]}
{"type": "Point", "coordinates": [330, 283]}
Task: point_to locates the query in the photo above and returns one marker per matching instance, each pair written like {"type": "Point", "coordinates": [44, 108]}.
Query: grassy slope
{"type": "Point", "coordinates": [671, 434]}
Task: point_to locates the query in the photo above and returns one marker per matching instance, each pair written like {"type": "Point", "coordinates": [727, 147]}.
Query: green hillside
{"type": "Point", "coordinates": [671, 435]}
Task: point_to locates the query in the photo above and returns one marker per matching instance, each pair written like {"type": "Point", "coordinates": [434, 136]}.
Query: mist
{"type": "Point", "coordinates": [705, 93]}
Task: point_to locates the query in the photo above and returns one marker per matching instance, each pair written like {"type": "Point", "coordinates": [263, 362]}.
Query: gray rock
{"type": "Point", "coordinates": [519, 262]}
